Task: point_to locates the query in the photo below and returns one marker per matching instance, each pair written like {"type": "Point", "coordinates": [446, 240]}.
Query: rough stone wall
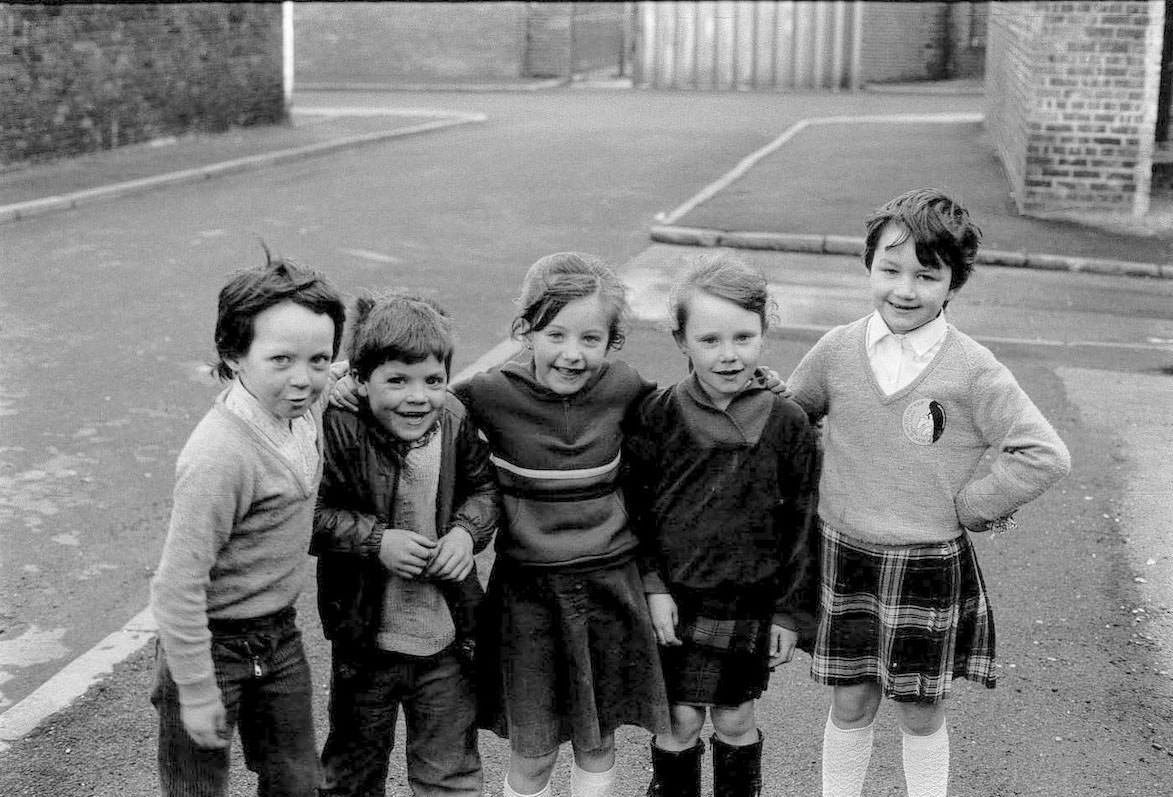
{"type": "Point", "coordinates": [1071, 94]}
{"type": "Point", "coordinates": [79, 78]}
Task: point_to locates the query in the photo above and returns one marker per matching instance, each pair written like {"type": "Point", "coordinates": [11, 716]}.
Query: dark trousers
{"type": "Point", "coordinates": [367, 687]}
{"type": "Point", "coordinates": [265, 686]}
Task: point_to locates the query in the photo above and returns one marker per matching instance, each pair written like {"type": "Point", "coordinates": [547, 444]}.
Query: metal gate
{"type": "Point", "coordinates": [740, 44]}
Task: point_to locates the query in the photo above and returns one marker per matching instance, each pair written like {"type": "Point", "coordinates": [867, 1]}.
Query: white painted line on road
{"type": "Point", "coordinates": [748, 162]}
{"type": "Point", "coordinates": [72, 680]}
{"type": "Point", "coordinates": [366, 254]}
{"type": "Point", "coordinates": [430, 113]}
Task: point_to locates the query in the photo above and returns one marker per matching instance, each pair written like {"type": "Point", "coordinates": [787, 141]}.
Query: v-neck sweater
{"type": "Point", "coordinates": [903, 469]}
{"type": "Point", "coordinates": [237, 544]}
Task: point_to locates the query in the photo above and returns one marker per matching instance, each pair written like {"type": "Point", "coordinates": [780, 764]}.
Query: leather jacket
{"type": "Point", "coordinates": [361, 463]}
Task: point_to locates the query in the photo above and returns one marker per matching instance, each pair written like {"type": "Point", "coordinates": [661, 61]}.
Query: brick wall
{"type": "Point", "coordinates": [389, 43]}
{"type": "Point", "coordinates": [1071, 95]}
{"type": "Point", "coordinates": [78, 78]}
{"type": "Point", "coordinates": [922, 41]}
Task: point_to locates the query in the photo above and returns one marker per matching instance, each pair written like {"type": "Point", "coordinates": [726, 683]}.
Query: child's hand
{"type": "Point", "coordinates": [206, 724]}
{"type": "Point", "coordinates": [782, 644]}
{"type": "Point", "coordinates": [345, 393]}
{"type": "Point", "coordinates": [770, 380]}
{"type": "Point", "coordinates": [405, 553]}
{"type": "Point", "coordinates": [662, 608]}
{"type": "Point", "coordinates": [452, 560]}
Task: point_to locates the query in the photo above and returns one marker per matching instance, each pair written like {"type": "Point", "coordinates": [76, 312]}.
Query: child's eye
{"type": "Point", "coordinates": [437, 381]}
{"type": "Point", "coordinates": [928, 276]}
{"type": "Point", "coordinates": [281, 359]}
{"type": "Point", "coordinates": [593, 340]}
{"type": "Point", "coordinates": [395, 381]}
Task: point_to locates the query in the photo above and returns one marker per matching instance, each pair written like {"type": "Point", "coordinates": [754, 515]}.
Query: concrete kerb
{"type": "Point", "coordinates": [853, 246]}
{"type": "Point", "coordinates": [40, 207]}
{"type": "Point", "coordinates": [666, 230]}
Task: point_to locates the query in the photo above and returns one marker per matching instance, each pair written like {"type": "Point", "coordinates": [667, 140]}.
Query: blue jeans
{"type": "Point", "coordinates": [265, 686]}
{"type": "Point", "coordinates": [439, 708]}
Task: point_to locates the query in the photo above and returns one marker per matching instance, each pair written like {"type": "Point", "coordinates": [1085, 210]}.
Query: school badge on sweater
{"type": "Point", "coordinates": [924, 421]}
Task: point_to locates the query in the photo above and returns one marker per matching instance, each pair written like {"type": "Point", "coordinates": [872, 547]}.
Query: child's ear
{"type": "Point", "coordinates": [678, 336]}
{"type": "Point", "coordinates": [361, 388]}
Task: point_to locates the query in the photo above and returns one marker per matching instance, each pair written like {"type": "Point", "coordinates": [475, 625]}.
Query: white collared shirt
{"type": "Point", "coordinates": [296, 439]}
{"type": "Point", "coordinates": [896, 360]}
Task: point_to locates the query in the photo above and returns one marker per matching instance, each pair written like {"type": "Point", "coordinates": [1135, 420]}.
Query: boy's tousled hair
{"type": "Point", "coordinates": [725, 276]}
{"type": "Point", "coordinates": [555, 281]}
{"type": "Point", "coordinates": [941, 230]}
{"type": "Point", "coordinates": [252, 291]}
{"type": "Point", "coordinates": [398, 326]}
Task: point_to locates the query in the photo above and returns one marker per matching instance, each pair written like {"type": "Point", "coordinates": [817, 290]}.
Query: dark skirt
{"type": "Point", "coordinates": [911, 618]}
{"type": "Point", "coordinates": [567, 656]}
{"type": "Point", "coordinates": [723, 658]}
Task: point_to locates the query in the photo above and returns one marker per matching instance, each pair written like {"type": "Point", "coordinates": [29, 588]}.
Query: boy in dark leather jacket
{"type": "Point", "coordinates": [408, 496]}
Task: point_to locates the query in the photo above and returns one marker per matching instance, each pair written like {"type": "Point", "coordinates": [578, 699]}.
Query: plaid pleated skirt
{"type": "Point", "coordinates": [723, 658]}
{"type": "Point", "coordinates": [567, 656]}
{"type": "Point", "coordinates": [911, 618]}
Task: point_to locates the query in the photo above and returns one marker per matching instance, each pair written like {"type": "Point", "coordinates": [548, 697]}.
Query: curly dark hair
{"type": "Point", "coordinates": [941, 230]}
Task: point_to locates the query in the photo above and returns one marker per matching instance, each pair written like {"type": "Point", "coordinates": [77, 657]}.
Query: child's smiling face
{"type": "Point", "coordinates": [907, 294]}
{"type": "Point", "coordinates": [571, 349]}
{"type": "Point", "coordinates": [723, 341]}
{"type": "Point", "coordinates": [406, 398]}
{"type": "Point", "coordinates": [287, 364]}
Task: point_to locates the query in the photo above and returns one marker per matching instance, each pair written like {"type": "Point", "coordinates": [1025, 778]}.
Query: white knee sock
{"type": "Point", "coordinates": [846, 754]}
{"type": "Point", "coordinates": [509, 792]}
{"type": "Point", "coordinates": [590, 784]}
{"type": "Point", "coordinates": [926, 763]}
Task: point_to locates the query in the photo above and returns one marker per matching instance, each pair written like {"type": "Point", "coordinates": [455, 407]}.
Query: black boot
{"type": "Point", "coordinates": [737, 771]}
{"type": "Point", "coordinates": [676, 774]}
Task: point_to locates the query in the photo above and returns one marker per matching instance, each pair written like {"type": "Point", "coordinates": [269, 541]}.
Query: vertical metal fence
{"type": "Point", "coordinates": [740, 44]}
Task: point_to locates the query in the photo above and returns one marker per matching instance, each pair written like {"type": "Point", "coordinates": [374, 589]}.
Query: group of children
{"type": "Point", "coordinates": [658, 550]}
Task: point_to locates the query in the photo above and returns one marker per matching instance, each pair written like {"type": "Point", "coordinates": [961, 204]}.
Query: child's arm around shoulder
{"type": "Point", "coordinates": [808, 382]}
{"type": "Point", "coordinates": [797, 522]}
{"type": "Point", "coordinates": [339, 525]}
{"type": "Point", "coordinates": [1030, 457]}
{"type": "Point", "coordinates": [479, 511]}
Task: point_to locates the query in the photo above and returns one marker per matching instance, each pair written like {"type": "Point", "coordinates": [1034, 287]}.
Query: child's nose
{"type": "Point", "coordinates": [299, 376]}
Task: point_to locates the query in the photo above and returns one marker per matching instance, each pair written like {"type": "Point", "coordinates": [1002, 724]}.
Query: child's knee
{"type": "Point", "coordinates": [602, 756]}
{"type": "Point", "coordinates": [687, 722]}
{"type": "Point", "coordinates": [736, 721]}
{"type": "Point", "coordinates": [921, 718]}
{"type": "Point", "coordinates": [534, 768]}
{"type": "Point", "coordinates": [855, 705]}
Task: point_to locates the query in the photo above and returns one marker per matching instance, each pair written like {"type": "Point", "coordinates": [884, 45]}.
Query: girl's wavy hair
{"type": "Point", "coordinates": [555, 281]}
{"type": "Point", "coordinates": [398, 326]}
{"type": "Point", "coordinates": [250, 292]}
{"type": "Point", "coordinates": [941, 230]}
{"type": "Point", "coordinates": [725, 276]}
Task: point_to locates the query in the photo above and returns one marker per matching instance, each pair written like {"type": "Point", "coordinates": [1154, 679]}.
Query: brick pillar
{"type": "Point", "coordinates": [1071, 101]}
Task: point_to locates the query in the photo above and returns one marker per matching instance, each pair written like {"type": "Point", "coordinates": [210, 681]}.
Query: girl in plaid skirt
{"type": "Point", "coordinates": [911, 405]}
{"type": "Point", "coordinates": [723, 492]}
